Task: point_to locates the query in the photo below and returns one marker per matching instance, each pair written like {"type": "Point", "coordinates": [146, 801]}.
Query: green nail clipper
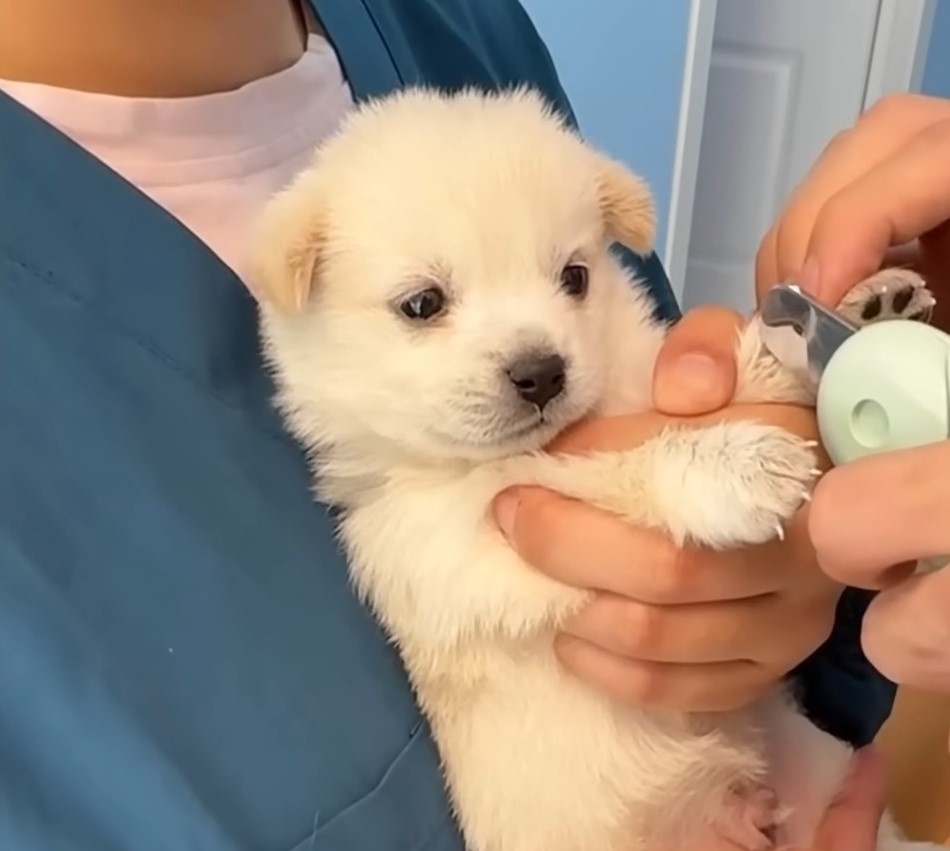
{"type": "Point", "coordinates": [880, 387]}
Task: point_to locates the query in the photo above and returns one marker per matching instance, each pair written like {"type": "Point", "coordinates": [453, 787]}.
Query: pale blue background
{"type": "Point", "coordinates": [936, 79]}
{"type": "Point", "coordinates": [621, 62]}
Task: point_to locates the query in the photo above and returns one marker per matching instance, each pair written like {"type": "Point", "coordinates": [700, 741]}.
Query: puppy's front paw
{"type": "Point", "coordinates": [890, 294]}
{"type": "Point", "coordinates": [734, 484]}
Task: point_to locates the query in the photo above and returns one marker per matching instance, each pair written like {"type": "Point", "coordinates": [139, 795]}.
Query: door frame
{"type": "Point", "coordinates": [901, 41]}
{"type": "Point", "coordinates": [898, 55]}
{"type": "Point", "coordinates": [689, 137]}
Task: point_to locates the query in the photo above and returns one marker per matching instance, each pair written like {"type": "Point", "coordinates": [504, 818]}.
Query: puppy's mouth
{"type": "Point", "coordinates": [537, 429]}
{"type": "Point", "coordinates": [504, 439]}
{"type": "Point", "coordinates": [485, 426]}
{"type": "Point", "coordinates": [537, 422]}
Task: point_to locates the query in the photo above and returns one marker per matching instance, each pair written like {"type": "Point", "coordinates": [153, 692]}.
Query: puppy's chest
{"type": "Point", "coordinates": [414, 522]}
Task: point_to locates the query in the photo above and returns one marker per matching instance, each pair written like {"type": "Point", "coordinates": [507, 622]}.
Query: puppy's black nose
{"type": "Point", "coordinates": [538, 378]}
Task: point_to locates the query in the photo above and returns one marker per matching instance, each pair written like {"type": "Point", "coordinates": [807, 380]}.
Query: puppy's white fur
{"type": "Point", "coordinates": [414, 428]}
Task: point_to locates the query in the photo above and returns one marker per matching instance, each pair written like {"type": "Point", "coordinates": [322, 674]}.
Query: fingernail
{"type": "Point", "coordinates": [696, 380]}
{"type": "Point", "coordinates": [506, 506]}
{"type": "Point", "coordinates": [809, 279]}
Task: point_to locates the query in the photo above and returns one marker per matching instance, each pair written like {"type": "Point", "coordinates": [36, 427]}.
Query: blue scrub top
{"type": "Point", "coordinates": [182, 663]}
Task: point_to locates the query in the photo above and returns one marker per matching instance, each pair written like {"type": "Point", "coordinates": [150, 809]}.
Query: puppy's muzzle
{"type": "Point", "coordinates": [538, 379]}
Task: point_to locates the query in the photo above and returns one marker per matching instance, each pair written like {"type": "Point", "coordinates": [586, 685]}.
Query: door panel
{"type": "Point", "coordinates": [785, 76]}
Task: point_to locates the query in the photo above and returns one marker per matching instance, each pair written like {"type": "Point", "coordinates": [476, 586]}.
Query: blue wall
{"type": "Point", "coordinates": [936, 77]}
{"type": "Point", "coordinates": [621, 63]}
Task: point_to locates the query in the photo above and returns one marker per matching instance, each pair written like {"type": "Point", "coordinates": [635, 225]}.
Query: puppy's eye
{"type": "Point", "coordinates": [574, 280]}
{"type": "Point", "coordinates": [423, 305]}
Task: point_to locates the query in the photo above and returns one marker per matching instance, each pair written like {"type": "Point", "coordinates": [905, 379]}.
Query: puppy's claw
{"type": "Point", "coordinates": [779, 531]}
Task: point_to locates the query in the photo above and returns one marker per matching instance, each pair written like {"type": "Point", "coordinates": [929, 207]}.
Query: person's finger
{"type": "Point", "coordinates": [766, 263]}
{"type": "Point", "coordinates": [899, 199]}
{"type": "Point", "coordinates": [906, 632]}
{"type": "Point", "coordinates": [580, 545]}
{"type": "Point", "coordinates": [853, 820]}
{"type": "Point", "coordinates": [717, 687]}
{"type": "Point", "coordinates": [882, 511]}
{"type": "Point", "coordinates": [781, 254]}
{"type": "Point", "coordinates": [695, 371]}
{"type": "Point", "coordinates": [906, 256]}
{"type": "Point", "coordinates": [879, 132]}
{"type": "Point", "coordinates": [704, 632]}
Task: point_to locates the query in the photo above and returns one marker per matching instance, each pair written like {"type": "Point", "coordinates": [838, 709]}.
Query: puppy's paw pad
{"type": "Point", "coordinates": [890, 294]}
{"type": "Point", "coordinates": [751, 819]}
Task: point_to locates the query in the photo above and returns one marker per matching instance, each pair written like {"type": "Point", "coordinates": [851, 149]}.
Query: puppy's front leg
{"type": "Point", "coordinates": [728, 485]}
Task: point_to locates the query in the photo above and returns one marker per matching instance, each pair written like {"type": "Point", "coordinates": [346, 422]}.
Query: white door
{"type": "Point", "coordinates": [785, 76]}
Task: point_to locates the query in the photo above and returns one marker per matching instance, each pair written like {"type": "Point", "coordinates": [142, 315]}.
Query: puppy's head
{"type": "Point", "coordinates": [439, 278]}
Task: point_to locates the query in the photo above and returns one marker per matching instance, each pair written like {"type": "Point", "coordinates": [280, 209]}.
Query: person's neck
{"type": "Point", "coordinates": [148, 48]}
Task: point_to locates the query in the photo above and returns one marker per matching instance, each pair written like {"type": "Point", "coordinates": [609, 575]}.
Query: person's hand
{"type": "Point", "coordinates": [890, 510]}
{"type": "Point", "coordinates": [853, 821]}
{"type": "Point", "coordinates": [687, 629]}
{"type": "Point", "coordinates": [879, 195]}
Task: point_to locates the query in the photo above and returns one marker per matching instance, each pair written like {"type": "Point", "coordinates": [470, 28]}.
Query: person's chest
{"type": "Point", "coordinates": [177, 630]}
{"type": "Point", "coordinates": [211, 161]}
{"type": "Point", "coordinates": [182, 661]}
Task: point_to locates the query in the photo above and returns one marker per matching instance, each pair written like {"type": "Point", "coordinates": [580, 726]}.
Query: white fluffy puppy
{"type": "Point", "coordinates": [439, 301]}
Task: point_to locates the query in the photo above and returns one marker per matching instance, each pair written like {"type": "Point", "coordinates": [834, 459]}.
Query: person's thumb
{"type": "Point", "coordinates": [853, 820]}
{"type": "Point", "coordinates": [695, 371]}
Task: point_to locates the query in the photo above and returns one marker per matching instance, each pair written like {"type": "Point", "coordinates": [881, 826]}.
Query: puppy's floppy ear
{"type": "Point", "coordinates": [627, 206]}
{"type": "Point", "coordinates": [290, 242]}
